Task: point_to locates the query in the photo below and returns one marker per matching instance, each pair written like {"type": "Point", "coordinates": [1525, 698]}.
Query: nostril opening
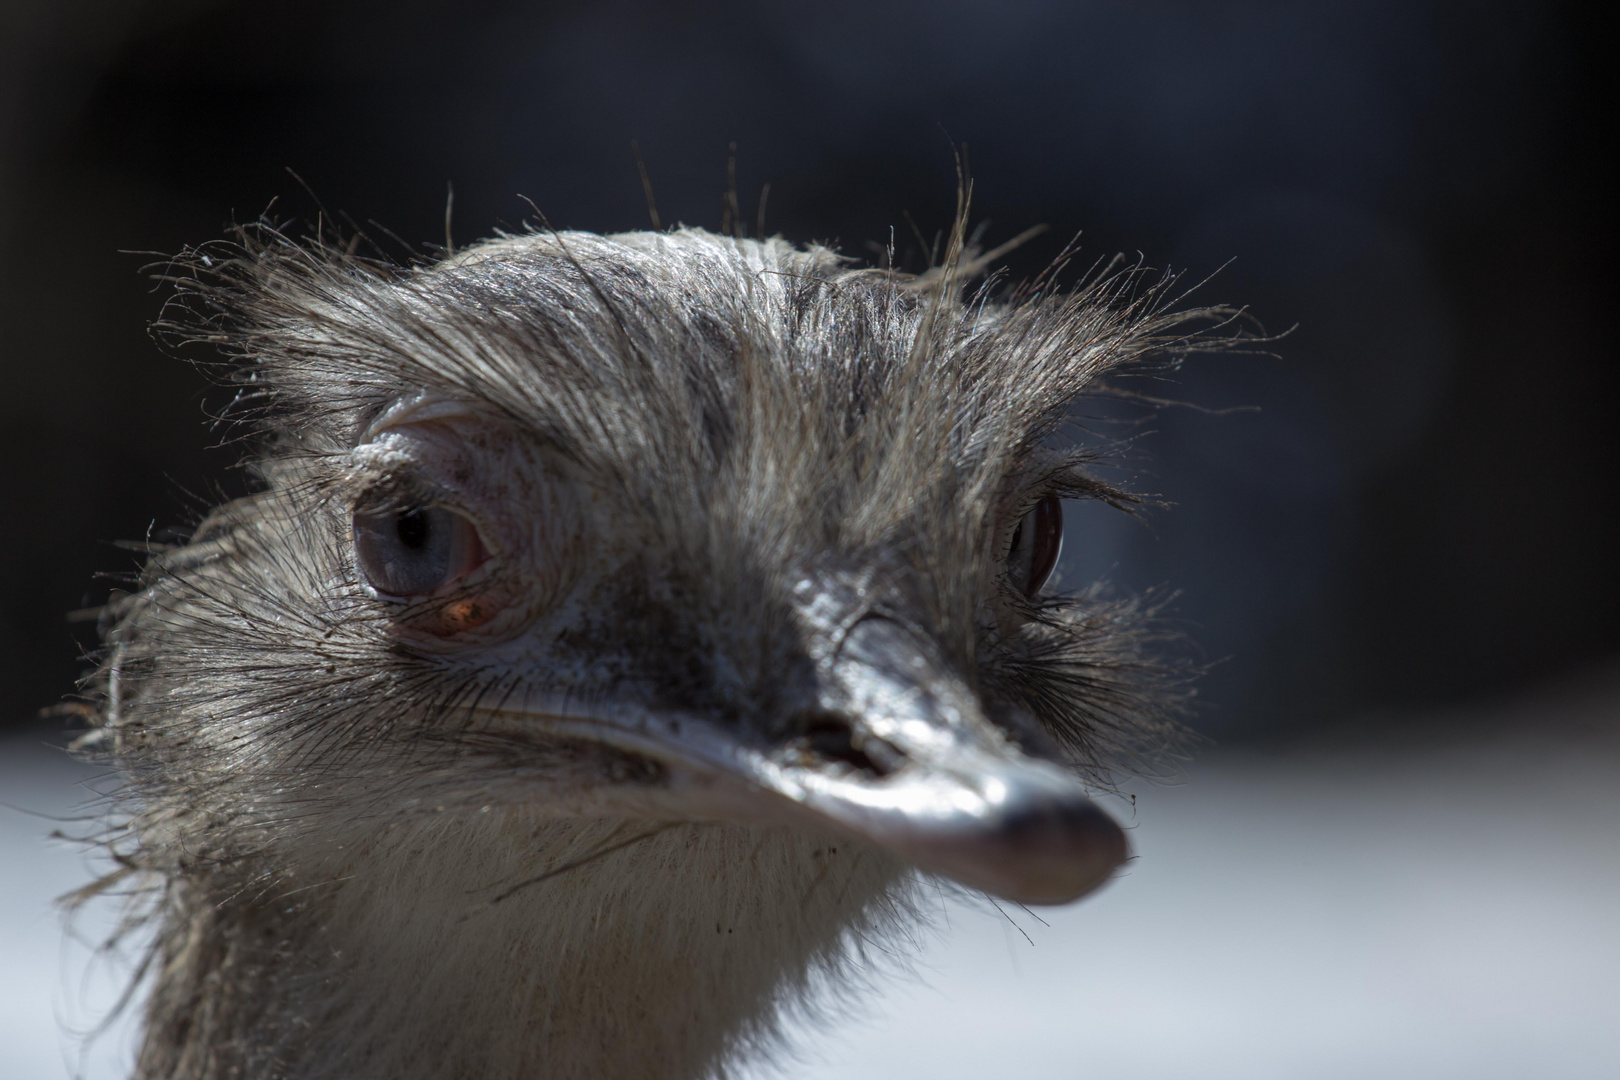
{"type": "Point", "coordinates": [829, 736]}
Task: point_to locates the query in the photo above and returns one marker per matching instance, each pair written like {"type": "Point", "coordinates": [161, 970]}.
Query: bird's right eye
{"type": "Point", "coordinates": [407, 552]}
{"type": "Point", "coordinates": [1037, 542]}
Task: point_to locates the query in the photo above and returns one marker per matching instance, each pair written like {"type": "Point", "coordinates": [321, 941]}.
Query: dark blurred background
{"type": "Point", "coordinates": [1420, 512]}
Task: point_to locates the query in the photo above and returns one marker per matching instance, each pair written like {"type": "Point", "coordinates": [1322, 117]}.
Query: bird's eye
{"type": "Point", "coordinates": [408, 552]}
{"type": "Point", "coordinates": [1036, 543]}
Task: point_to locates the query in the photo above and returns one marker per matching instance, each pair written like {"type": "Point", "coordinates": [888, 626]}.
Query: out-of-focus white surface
{"type": "Point", "coordinates": [52, 983]}
{"type": "Point", "coordinates": [1451, 910]}
{"type": "Point", "coordinates": [1452, 914]}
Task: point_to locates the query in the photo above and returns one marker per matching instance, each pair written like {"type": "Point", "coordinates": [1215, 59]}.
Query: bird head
{"type": "Point", "coordinates": [668, 526]}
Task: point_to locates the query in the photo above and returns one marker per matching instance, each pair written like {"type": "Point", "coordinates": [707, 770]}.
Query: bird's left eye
{"type": "Point", "coordinates": [408, 552]}
{"type": "Point", "coordinates": [1036, 543]}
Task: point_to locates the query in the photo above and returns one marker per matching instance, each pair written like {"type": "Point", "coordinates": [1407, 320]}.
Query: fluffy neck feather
{"type": "Point", "coordinates": [388, 958]}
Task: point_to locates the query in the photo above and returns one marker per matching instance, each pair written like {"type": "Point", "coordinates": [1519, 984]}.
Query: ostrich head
{"type": "Point", "coordinates": [622, 623]}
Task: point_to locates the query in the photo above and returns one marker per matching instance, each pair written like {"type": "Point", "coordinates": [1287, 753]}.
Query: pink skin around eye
{"type": "Point", "coordinates": [460, 615]}
{"type": "Point", "coordinates": [468, 612]}
{"type": "Point", "coordinates": [471, 553]}
{"type": "Point", "coordinates": [528, 521]}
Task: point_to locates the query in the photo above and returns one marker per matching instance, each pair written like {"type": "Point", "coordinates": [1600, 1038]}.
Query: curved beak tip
{"type": "Point", "coordinates": [1018, 829]}
{"type": "Point", "coordinates": [968, 804]}
{"type": "Point", "coordinates": [1051, 854]}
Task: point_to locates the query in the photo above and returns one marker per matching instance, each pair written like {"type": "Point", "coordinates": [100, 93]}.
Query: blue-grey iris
{"type": "Point", "coordinates": [407, 552]}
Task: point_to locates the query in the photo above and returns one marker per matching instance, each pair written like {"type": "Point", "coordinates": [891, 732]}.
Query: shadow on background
{"type": "Point", "coordinates": [1420, 512]}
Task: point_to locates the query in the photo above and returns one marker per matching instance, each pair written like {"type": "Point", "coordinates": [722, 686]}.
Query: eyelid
{"type": "Point", "coordinates": [400, 494]}
{"type": "Point", "coordinates": [1067, 478]}
{"type": "Point", "coordinates": [422, 408]}
{"type": "Point", "coordinates": [1009, 527]}
{"type": "Point", "coordinates": [1029, 497]}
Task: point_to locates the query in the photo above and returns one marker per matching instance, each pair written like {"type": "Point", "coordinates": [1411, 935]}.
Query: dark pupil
{"type": "Point", "coordinates": [412, 528]}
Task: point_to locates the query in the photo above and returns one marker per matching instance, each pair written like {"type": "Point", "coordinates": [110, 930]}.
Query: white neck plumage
{"type": "Point", "coordinates": [451, 947]}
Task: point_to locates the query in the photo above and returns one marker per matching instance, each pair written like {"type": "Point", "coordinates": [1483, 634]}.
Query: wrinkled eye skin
{"type": "Point", "coordinates": [464, 533]}
{"type": "Point", "coordinates": [408, 552]}
{"type": "Point", "coordinates": [1037, 541]}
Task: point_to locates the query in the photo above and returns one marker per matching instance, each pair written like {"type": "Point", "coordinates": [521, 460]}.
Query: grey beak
{"type": "Point", "coordinates": [939, 785]}
{"type": "Point", "coordinates": [895, 750]}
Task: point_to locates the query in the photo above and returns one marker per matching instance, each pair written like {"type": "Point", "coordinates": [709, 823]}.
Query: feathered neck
{"type": "Point", "coordinates": [451, 947]}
